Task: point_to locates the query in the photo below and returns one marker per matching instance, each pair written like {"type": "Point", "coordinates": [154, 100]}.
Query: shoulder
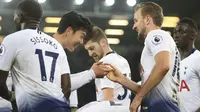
{"type": "Point", "coordinates": [158, 36]}
{"type": "Point", "coordinates": [110, 58]}
{"type": "Point", "coordinates": [196, 56]}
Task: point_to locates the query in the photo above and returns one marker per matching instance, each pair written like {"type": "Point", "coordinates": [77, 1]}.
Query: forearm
{"type": "Point", "coordinates": [80, 79]}
{"type": "Point", "coordinates": [154, 79]}
{"type": "Point", "coordinates": [66, 85]}
{"type": "Point", "coordinates": [131, 85]}
{"type": "Point", "coordinates": [4, 92]}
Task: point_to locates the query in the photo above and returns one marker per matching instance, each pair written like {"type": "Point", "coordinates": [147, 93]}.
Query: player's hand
{"type": "Point", "coordinates": [101, 69]}
{"type": "Point", "coordinates": [114, 75]}
{"type": "Point", "coordinates": [135, 103]}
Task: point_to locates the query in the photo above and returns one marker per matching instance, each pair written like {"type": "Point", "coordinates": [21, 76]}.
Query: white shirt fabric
{"type": "Point", "coordinates": [189, 90]}
{"type": "Point", "coordinates": [164, 95]}
{"type": "Point", "coordinates": [4, 104]}
{"type": "Point", "coordinates": [121, 94]}
{"type": "Point", "coordinates": [36, 62]}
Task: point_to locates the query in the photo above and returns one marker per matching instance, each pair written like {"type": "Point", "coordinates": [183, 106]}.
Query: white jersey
{"type": "Point", "coordinates": [73, 99]}
{"type": "Point", "coordinates": [4, 104]}
{"type": "Point", "coordinates": [36, 62]}
{"type": "Point", "coordinates": [103, 106]}
{"type": "Point", "coordinates": [121, 94]}
{"type": "Point", "coordinates": [190, 83]}
{"type": "Point", "coordinates": [163, 97]}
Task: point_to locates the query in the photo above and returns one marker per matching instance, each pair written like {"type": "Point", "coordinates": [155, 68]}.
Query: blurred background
{"type": "Point", "coordinates": [115, 17]}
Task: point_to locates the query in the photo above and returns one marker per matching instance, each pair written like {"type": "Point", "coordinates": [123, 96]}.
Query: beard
{"type": "Point", "coordinates": [97, 57]}
{"type": "Point", "coordinates": [141, 35]}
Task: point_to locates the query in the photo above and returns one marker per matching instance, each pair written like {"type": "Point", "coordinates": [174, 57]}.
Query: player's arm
{"type": "Point", "coordinates": [97, 70]}
{"type": "Point", "coordinates": [66, 85]}
{"type": "Point", "coordinates": [158, 72]}
{"type": "Point", "coordinates": [107, 88]}
{"type": "Point", "coordinates": [118, 77]}
{"type": "Point", "coordinates": [108, 94]}
{"type": "Point", "coordinates": [7, 56]}
{"type": "Point", "coordinates": [4, 92]}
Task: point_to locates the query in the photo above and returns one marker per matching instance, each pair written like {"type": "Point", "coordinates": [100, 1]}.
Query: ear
{"type": "Point", "coordinates": [103, 42]}
{"type": "Point", "coordinates": [22, 17]}
{"type": "Point", "coordinates": [68, 31]}
{"type": "Point", "coordinates": [147, 20]}
{"type": "Point", "coordinates": [193, 36]}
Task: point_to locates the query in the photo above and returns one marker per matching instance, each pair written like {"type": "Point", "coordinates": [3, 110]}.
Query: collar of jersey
{"type": "Point", "coordinates": [110, 52]}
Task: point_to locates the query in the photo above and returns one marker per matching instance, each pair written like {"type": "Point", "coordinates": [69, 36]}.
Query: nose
{"type": "Point", "coordinates": [81, 41]}
{"type": "Point", "coordinates": [90, 53]}
{"type": "Point", "coordinates": [134, 27]}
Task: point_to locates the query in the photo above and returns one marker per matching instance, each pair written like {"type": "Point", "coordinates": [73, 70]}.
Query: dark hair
{"type": "Point", "coordinates": [190, 22]}
{"type": "Point", "coordinates": [96, 35]}
{"type": "Point", "coordinates": [31, 9]}
{"type": "Point", "coordinates": [76, 21]}
{"type": "Point", "coordinates": [152, 9]}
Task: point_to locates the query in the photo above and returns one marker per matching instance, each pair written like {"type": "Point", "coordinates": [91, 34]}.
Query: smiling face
{"type": "Point", "coordinates": [94, 50]}
{"type": "Point", "coordinates": [139, 25]}
{"type": "Point", "coordinates": [74, 39]}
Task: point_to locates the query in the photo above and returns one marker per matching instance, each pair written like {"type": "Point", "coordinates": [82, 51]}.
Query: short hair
{"type": "Point", "coordinates": [190, 22]}
{"type": "Point", "coordinates": [76, 21]}
{"type": "Point", "coordinates": [31, 9]}
{"type": "Point", "coordinates": [152, 9]}
{"type": "Point", "coordinates": [95, 36]}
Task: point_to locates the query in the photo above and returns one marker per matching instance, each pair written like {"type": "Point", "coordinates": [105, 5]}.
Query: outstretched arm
{"type": "Point", "coordinates": [97, 70]}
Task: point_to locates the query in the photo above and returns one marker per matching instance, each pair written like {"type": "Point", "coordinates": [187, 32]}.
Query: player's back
{"type": "Point", "coordinates": [189, 89]}
{"type": "Point", "coordinates": [121, 94]}
{"type": "Point", "coordinates": [164, 95]}
{"type": "Point", "coordinates": [38, 64]}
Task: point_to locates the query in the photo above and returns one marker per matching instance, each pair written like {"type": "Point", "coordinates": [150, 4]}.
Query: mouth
{"type": "Point", "coordinates": [76, 45]}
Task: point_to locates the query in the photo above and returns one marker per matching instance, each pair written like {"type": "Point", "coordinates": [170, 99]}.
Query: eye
{"type": "Point", "coordinates": [182, 32]}
{"type": "Point", "coordinates": [91, 48]}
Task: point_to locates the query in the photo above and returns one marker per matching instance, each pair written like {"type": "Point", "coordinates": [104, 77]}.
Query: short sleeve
{"type": "Point", "coordinates": [65, 65]}
{"type": "Point", "coordinates": [157, 42]}
{"type": "Point", "coordinates": [105, 82]}
{"type": "Point", "coordinates": [8, 51]}
{"type": "Point", "coordinates": [197, 66]}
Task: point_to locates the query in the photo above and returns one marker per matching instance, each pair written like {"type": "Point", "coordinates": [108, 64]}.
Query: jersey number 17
{"type": "Point", "coordinates": [42, 65]}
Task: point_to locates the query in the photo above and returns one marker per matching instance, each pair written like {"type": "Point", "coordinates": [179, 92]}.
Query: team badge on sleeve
{"type": "Point", "coordinates": [157, 39]}
{"type": "Point", "coordinates": [2, 49]}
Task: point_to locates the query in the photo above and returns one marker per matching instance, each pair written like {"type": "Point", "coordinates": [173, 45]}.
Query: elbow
{"type": "Point", "coordinates": [66, 92]}
{"type": "Point", "coordinates": [165, 68]}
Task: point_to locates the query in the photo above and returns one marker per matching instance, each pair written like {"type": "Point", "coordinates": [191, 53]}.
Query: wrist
{"type": "Point", "coordinates": [121, 79]}
{"type": "Point", "coordinates": [92, 73]}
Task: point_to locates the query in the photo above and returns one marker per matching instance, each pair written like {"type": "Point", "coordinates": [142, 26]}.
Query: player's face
{"type": "Point", "coordinates": [17, 19]}
{"type": "Point", "coordinates": [74, 39]}
{"type": "Point", "coordinates": [94, 50]}
{"type": "Point", "coordinates": [139, 25]}
{"type": "Point", "coordinates": [181, 35]}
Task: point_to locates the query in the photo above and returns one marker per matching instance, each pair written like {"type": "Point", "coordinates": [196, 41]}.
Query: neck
{"type": "Point", "coordinates": [59, 38]}
{"type": "Point", "coordinates": [151, 29]}
{"type": "Point", "coordinates": [184, 52]}
{"type": "Point", "coordinates": [107, 50]}
{"type": "Point", "coordinates": [30, 25]}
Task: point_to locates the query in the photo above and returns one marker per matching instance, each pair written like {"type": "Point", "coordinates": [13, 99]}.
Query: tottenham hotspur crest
{"type": "Point", "coordinates": [157, 39]}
